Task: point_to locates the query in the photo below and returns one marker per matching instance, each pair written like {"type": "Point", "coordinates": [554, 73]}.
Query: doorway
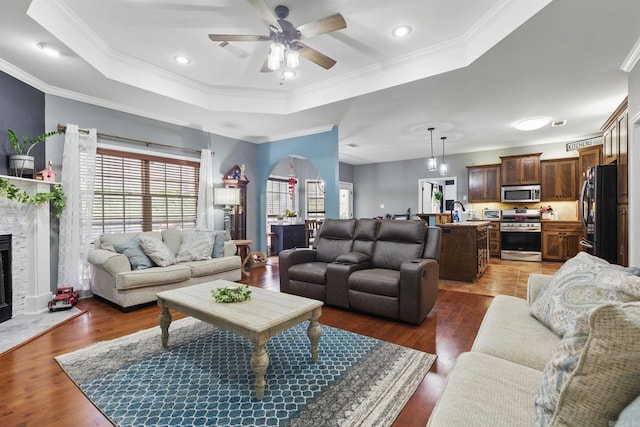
{"type": "Point", "coordinates": [428, 189]}
{"type": "Point", "coordinates": [346, 200]}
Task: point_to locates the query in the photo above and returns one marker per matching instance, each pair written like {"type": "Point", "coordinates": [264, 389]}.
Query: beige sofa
{"type": "Point", "coordinates": [502, 380]}
{"type": "Point", "coordinates": [114, 279]}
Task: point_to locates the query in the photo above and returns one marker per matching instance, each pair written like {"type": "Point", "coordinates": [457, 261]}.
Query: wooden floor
{"type": "Point", "coordinates": [35, 391]}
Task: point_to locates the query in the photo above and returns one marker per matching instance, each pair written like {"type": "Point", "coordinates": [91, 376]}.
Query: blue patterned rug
{"type": "Point", "coordinates": [204, 378]}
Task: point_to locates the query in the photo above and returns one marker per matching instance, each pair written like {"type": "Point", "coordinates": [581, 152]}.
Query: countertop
{"type": "Point", "coordinates": [466, 224]}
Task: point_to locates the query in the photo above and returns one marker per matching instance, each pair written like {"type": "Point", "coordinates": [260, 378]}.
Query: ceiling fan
{"type": "Point", "coordinates": [286, 46]}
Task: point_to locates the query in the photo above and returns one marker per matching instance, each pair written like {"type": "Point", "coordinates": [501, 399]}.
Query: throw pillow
{"type": "Point", "coordinates": [594, 374]}
{"type": "Point", "coordinates": [134, 252]}
{"type": "Point", "coordinates": [195, 246]}
{"type": "Point", "coordinates": [219, 237]}
{"type": "Point", "coordinates": [582, 283]}
{"type": "Point", "coordinates": [157, 251]}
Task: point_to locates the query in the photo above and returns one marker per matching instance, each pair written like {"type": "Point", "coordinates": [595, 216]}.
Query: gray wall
{"type": "Point", "coordinates": [395, 184]}
{"type": "Point", "coordinates": [22, 110]}
{"type": "Point", "coordinates": [345, 172]}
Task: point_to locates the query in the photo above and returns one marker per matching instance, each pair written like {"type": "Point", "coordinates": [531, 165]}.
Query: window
{"type": "Point", "coordinates": [315, 199]}
{"type": "Point", "coordinates": [135, 192]}
{"type": "Point", "coordinates": [278, 197]}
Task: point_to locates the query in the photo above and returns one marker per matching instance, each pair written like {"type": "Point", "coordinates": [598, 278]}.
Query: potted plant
{"type": "Point", "coordinates": [20, 161]}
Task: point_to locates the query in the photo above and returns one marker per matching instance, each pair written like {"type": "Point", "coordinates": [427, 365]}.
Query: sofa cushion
{"type": "Point", "coordinates": [398, 241]}
{"type": "Point", "coordinates": [483, 390]}
{"type": "Point", "coordinates": [334, 238]}
{"type": "Point", "coordinates": [509, 332]}
{"type": "Point", "coordinates": [153, 276]}
{"type": "Point", "coordinates": [159, 253]}
{"type": "Point", "coordinates": [630, 414]}
{"type": "Point", "coordinates": [365, 236]}
{"type": "Point", "coordinates": [195, 246]}
{"type": "Point", "coordinates": [376, 281]}
{"type": "Point", "coordinates": [133, 251]}
{"type": "Point", "coordinates": [172, 237]}
{"type": "Point", "coordinates": [582, 283]}
{"type": "Point", "coordinates": [213, 266]}
{"type": "Point", "coordinates": [311, 272]}
{"type": "Point", "coordinates": [219, 237]}
{"type": "Point", "coordinates": [594, 374]}
{"type": "Point", "coordinates": [106, 240]}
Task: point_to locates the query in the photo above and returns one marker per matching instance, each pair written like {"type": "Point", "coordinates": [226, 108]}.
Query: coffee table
{"type": "Point", "coordinates": [262, 316]}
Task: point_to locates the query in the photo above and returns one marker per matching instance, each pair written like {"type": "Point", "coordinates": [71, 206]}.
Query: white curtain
{"type": "Point", "coordinates": [204, 217]}
{"type": "Point", "coordinates": [78, 171]}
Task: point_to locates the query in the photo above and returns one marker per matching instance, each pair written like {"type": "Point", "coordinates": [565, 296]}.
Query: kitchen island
{"type": "Point", "coordinates": [464, 253]}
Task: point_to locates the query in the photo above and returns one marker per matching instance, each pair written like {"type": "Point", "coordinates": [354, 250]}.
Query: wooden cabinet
{"type": "Point", "coordinates": [560, 240]}
{"type": "Point", "coordinates": [587, 158]}
{"type": "Point", "coordinates": [288, 236]}
{"type": "Point", "coordinates": [623, 230]}
{"type": "Point", "coordinates": [484, 183]}
{"type": "Point", "coordinates": [559, 179]}
{"type": "Point", "coordinates": [234, 178]}
{"type": "Point", "coordinates": [465, 250]}
{"type": "Point", "coordinates": [622, 163]}
{"type": "Point", "coordinates": [520, 170]}
{"type": "Point", "coordinates": [495, 246]}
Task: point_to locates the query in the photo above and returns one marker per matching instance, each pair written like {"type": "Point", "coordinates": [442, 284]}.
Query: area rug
{"type": "Point", "coordinates": [204, 378]}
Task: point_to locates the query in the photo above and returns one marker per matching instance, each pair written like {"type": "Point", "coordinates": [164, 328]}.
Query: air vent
{"type": "Point", "coordinates": [558, 123]}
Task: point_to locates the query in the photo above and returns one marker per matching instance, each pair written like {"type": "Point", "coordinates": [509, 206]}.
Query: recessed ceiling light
{"type": "Point", "coordinates": [401, 31]}
{"type": "Point", "coordinates": [288, 74]}
{"type": "Point", "coordinates": [181, 59]}
{"type": "Point", "coordinates": [48, 49]}
{"type": "Point", "coordinates": [558, 123]}
{"type": "Point", "coordinates": [532, 123]}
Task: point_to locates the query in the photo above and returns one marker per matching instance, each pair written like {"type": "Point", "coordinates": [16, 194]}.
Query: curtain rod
{"type": "Point", "coordinates": [63, 128]}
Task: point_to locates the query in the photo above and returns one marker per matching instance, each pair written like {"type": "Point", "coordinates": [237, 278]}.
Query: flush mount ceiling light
{"type": "Point", "coordinates": [532, 123]}
{"type": "Point", "coordinates": [48, 49]}
{"type": "Point", "coordinates": [401, 31]}
{"type": "Point", "coordinates": [182, 60]}
{"type": "Point", "coordinates": [431, 161]}
{"type": "Point", "coordinates": [288, 74]}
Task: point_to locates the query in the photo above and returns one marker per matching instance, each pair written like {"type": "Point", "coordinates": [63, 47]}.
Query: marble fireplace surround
{"type": "Point", "coordinates": [29, 228]}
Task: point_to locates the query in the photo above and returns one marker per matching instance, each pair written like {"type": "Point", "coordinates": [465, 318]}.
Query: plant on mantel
{"type": "Point", "coordinates": [56, 196]}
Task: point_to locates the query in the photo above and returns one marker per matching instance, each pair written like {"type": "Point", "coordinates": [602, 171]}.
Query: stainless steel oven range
{"type": "Point", "coordinates": [521, 235]}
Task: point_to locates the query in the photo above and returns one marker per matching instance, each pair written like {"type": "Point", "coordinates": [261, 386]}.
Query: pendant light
{"type": "Point", "coordinates": [443, 166]}
{"type": "Point", "coordinates": [431, 161]}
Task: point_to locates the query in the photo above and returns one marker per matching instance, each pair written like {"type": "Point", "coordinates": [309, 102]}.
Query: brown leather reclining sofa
{"type": "Point", "coordinates": [383, 267]}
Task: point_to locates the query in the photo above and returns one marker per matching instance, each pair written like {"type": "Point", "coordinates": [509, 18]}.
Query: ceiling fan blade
{"type": "Point", "coordinates": [314, 56]}
{"type": "Point", "coordinates": [261, 8]}
{"type": "Point", "coordinates": [322, 26]}
{"type": "Point", "coordinates": [265, 67]}
{"type": "Point", "coordinates": [237, 38]}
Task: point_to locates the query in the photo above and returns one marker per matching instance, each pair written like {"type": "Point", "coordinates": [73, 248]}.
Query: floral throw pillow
{"type": "Point", "coordinates": [195, 246]}
{"type": "Point", "coordinates": [582, 283]}
{"type": "Point", "coordinates": [594, 373]}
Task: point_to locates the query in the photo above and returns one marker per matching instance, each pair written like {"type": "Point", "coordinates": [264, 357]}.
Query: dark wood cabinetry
{"type": "Point", "coordinates": [622, 161]}
{"type": "Point", "coordinates": [465, 250]}
{"type": "Point", "coordinates": [520, 170]}
{"type": "Point", "coordinates": [288, 237]}
{"type": "Point", "coordinates": [234, 178]}
{"type": "Point", "coordinates": [560, 240]}
{"type": "Point", "coordinates": [495, 246]}
{"type": "Point", "coordinates": [484, 183]}
{"type": "Point", "coordinates": [623, 240]}
{"type": "Point", "coordinates": [559, 179]}
{"type": "Point", "coordinates": [587, 158]}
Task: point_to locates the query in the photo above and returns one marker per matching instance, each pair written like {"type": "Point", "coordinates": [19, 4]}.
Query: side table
{"type": "Point", "coordinates": [244, 249]}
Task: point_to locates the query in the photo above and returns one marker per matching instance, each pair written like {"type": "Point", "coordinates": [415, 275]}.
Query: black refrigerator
{"type": "Point", "coordinates": [598, 212]}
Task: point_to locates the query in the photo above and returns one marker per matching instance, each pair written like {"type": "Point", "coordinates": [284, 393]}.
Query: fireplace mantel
{"type": "Point", "coordinates": [29, 225]}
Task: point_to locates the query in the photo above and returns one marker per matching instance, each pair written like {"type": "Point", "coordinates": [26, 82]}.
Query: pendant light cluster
{"type": "Point", "coordinates": [432, 162]}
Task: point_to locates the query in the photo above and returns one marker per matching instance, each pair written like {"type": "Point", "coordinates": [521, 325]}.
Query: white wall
{"type": "Point", "coordinates": [634, 166]}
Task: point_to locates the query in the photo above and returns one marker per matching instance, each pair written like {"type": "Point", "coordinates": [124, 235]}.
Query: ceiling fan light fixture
{"type": "Point", "coordinates": [276, 55]}
{"type": "Point", "coordinates": [288, 74]}
{"type": "Point", "coordinates": [293, 59]}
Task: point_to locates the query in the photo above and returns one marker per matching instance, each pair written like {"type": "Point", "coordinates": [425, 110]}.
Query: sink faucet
{"type": "Point", "coordinates": [453, 205]}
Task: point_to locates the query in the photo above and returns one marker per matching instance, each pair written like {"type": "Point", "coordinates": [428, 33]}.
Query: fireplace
{"type": "Point", "coordinates": [5, 277]}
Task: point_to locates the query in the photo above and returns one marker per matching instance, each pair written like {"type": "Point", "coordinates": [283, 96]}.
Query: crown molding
{"type": "Point", "coordinates": [632, 58]}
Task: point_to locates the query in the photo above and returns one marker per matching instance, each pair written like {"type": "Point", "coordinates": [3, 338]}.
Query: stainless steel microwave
{"type": "Point", "coordinates": [521, 193]}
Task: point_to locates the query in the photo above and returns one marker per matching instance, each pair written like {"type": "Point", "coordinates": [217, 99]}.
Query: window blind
{"type": "Point", "coordinates": [278, 197]}
{"type": "Point", "coordinates": [315, 200]}
{"type": "Point", "coordinates": [135, 192]}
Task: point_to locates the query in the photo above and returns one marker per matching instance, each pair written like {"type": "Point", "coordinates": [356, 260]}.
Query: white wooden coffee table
{"type": "Point", "coordinates": [262, 316]}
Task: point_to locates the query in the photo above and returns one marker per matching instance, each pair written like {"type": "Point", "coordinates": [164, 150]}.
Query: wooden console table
{"type": "Point", "coordinates": [244, 249]}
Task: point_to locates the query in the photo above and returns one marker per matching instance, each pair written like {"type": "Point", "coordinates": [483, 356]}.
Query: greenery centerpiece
{"type": "Point", "coordinates": [231, 293]}
{"type": "Point", "coordinates": [20, 161]}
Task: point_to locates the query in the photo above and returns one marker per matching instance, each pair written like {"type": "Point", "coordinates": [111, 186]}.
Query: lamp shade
{"type": "Point", "coordinates": [226, 196]}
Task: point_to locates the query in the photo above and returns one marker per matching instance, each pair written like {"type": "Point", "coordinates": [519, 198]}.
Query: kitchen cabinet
{"type": "Point", "coordinates": [495, 246]}
{"type": "Point", "coordinates": [484, 183]}
{"type": "Point", "coordinates": [559, 180]}
{"type": "Point", "coordinates": [622, 162]}
{"type": "Point", "coordinates": [520, 170]}
{"type": "Point", "coordinates": [464, 252]}
{"type": "Point", "coordinates": [623, 230]}
{"type": "Point", "coordinates": [587, 158]}
{"type": "Point", "coordinates": [288, 236]}
{"type": "Point", "coordinates": [560, 240]}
